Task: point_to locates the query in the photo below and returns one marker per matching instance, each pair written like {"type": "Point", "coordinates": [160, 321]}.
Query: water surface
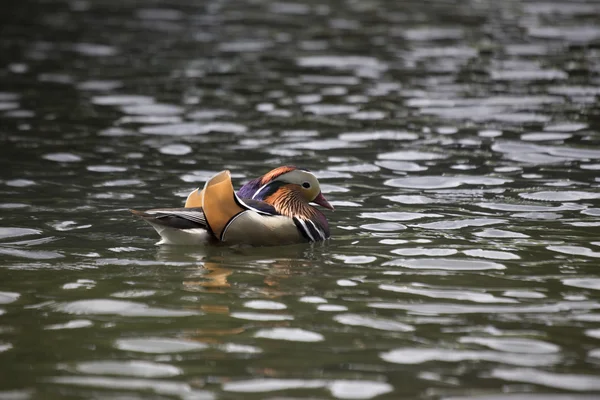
{"type": "Point", "coordinates": [459, 144]}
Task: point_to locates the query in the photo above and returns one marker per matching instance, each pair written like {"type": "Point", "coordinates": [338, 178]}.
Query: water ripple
{"type": "Point", "coordinates": [384, 227]}
{"type": "Point", "coordinates": [411, 155]}
{"type": "Point", "coordinates": [176, 149]}
{"type": "Point", "coordinates": [441, 182]}
{"type": "Point", "coordinates": [575, 382]}
{"type": "Point", "coordinates": [401, 166]}
{"type": "Point", "coordinates": [291, 334]}
{"type": "Point", "coordinates": [74, 324]}
{"type": "Point", "coordinates": [62, 157]}
{"type": "Point", "coordinates": [377, 135]}
{"type": "Point", "coordinates": [422, 355]}
{"type": "Point", "coordinates": [342, 62]}
{"type": "Point", "coordinates": [157, 345]}
{"type": "Point", "coordinates": [492, 254]}
{"type": "Point", "coordinates": [17, 232]}
{"type": "Point", "coordinates": [143, 369]}
{"type": "Point", "coordinates": [438, 293]}
{"type": "Point", "coordinates": [461, 223]}
{"type": "Point", "coordinates": [31, 254]}
{"type": "Point", "coordinates": [447, 308]}
{"type": "Point", "coordinates": [585, 283]}
{"type": "Point", "coordinates": [340, 389]}
{"type": "Point", "coordinates": [560, 196]}
{"type": "Point", "coordinates": [163, 387]}
{"type": "Point", "coordinates": [575, 250]}
{"type": "Point", "coordinates": [192, 128]}
{"type": "Point", "coordinates": [397, 216]}
{"type": "Point", "coordinates": [500, 233]}
{"type": "Point", "coordinates": [379, 323]}
{"type": "Point", "coordinates": [152, 109]}
{"type": "Point", "coordinates": [261, 316]}
{"type": "Point", "coordinates": [515, 345]}
{"type": "Point", "coordinates": [445, 264]}
{"type": "Point", "coordinates": [8, 297]}
{"type": "Point", "coordinates": [424, 252]}
{"type": "Point", "coordinates": [119, 307]}
{"type": "Point", "coordinates": [265, 305]}
{"type": "Point", "coordinates": [121, 100]}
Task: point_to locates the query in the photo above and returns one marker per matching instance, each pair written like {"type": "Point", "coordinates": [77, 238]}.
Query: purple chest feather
{"type": "Point", "coordinates": [248, 190]}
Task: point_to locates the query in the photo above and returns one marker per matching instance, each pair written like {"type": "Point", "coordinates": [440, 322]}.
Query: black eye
{"type": "Point", "coordinates": [306, 185]}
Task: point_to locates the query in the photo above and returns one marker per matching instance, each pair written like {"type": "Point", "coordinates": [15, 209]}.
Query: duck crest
{"type": "Point", "coordinates": [254, 188]}
{"type": "Point", "coordinates": [276, 173]}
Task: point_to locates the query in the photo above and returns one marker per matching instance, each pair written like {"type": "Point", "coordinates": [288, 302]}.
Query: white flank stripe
{"type": "Point", "coordinates": [306, 230]}
{"type": "Point", "coordinates": [321, 233]}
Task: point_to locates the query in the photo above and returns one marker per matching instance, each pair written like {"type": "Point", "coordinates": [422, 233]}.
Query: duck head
{"type": "Point", "coordinates": [285, 184]}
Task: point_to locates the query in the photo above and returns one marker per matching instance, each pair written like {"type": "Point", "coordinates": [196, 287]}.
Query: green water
{"type": "Point", "coordinates": [458, 141]}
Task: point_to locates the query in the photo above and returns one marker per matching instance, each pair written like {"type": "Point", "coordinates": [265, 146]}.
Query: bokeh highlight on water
{"type": "Point", "coordinates": [458, 141]}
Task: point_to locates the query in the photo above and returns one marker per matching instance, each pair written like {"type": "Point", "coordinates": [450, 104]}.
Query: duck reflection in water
{"type": "Point", "coordinates": [217, 264]}
{"type": "Point", "coordinates": [220, 270]}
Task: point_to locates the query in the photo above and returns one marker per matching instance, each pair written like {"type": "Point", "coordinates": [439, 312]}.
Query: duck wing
{"type": "Point", "coordinates": [177, 218]}
{"type": "Point", "coordinates": [181, 226]}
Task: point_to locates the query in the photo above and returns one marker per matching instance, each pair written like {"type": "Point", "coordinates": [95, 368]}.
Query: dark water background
{"type": "Point", "coordinates": [458, 140]}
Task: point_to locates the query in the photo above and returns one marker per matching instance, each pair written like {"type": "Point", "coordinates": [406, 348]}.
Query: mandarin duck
{"type": "Point", "coordinates": [273, 209]}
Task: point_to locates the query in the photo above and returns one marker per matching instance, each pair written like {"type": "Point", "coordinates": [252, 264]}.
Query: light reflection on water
{"type": "Point", "coordinates": [458, 143]}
